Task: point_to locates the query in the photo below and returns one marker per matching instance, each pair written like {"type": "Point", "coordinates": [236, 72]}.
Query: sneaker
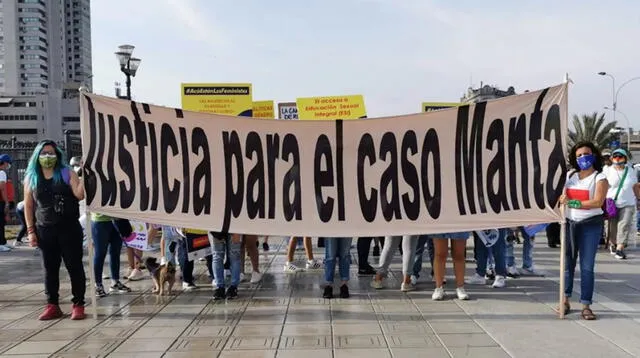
{"type": "Point", "coordinates": [265, 247]}
{"type": "Point", "coordinates": [531, 271]}
{"type": "Point", "coordinates": [50, 312]}
{"type": "Point", "coordinates": [243, 277]}
{"type": "Point", "coordinates": [4, 248]}
{"type": "Point", "coordinates": [406, 287]}
{"type": "Point", "coordinates": [476, 280]}
{"type": "Point", "coordinates": [499, 282]}
{"type": "Point", "coordinates": [462, 294]}
{"type": "Point", "coordinates": [119, 287]}
{"type": "Point", "coordinates": [376, 251]}
{"type": "Point", "coordinates": [328, 292]}
{"type": "Point", "coordinates": [438, 294]}
{"type": "Point", "coordinates": [313, 265]}
{"type": "Point", "coordinates": [18, 243]}
{"type": "Point", "coordinates": [376, 284]}
{"type": "Point", "coordinates": [100, 291]}
{"type": "Point", "coordinates": [612, 249]}
{"type": "Point", "coordinates": [256, 277]}
{"type": "Point", "coordinates": [77, 312]}
{"type": "Point", "coordinates": [344, 291]}
{"type": "Point", "coordinates": [232, 292]}
{"type": "Point", "coordinates": [135, 275]}
{"type": "Point", "coordinates": [188, 286]}
{"type": "Point", "coordinates": [367, 271]}
{"type": "Point", "coordinates": [490, 275]}
{"type": "Point", "coordinates": [219, 294]}
{"type": "Point", "coordinates": [290, 267]}
{"type": "Point", "coordinates": [620, 255]}
{"type": "Point", "coordinates": [414, 280]}
{"type": "Point", "coordinates": [512, 271]}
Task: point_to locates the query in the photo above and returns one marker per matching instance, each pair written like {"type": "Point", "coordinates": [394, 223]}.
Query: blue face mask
{"type": "Point", "coordinates": [586, 161]}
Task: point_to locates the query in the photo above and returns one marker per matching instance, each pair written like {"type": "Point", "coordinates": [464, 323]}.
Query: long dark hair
{"type": "Point", "coordinates": [597, 164]}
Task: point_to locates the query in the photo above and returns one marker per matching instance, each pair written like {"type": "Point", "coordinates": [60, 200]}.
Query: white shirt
{"type": "Point", "coordinates": [3, 176]}
{"type": "Point", "coordinates": [626, 197]}
{"type": "Point", "coordinates": [582, 189]}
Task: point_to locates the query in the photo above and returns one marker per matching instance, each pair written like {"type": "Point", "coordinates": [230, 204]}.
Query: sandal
{"type": "Point", "coordinates": [587, 314]}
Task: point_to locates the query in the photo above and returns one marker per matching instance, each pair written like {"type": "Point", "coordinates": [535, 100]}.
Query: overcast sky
{"type": "Point", "coordinates": [397, 53]}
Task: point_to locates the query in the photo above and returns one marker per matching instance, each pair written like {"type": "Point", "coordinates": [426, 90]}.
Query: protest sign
{"type": "Point", "coordinates": [482, 166]}
{"type": "Point", "coordinates": [334, 107]}
{"type": "Point", "coordinates": [232, 99]}
{"type": "Point", "coordinates": [287, 110]}
{"type": "Point", "coordinates": [263, 109]}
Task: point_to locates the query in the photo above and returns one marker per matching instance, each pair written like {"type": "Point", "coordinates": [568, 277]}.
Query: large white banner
{"type": "Point", "coordinates": [490, 165]}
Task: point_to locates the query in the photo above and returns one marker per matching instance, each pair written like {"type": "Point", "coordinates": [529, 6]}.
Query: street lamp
{"type": "Point", "coordinates": [614, 92]}
{"type": "Point", "coordinates": [628, 126]}
{"type": "Point", "coordinates": [128, 65]}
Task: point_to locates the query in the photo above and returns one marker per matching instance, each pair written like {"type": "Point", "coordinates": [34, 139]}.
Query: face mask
{"type": "Point", "coordinates": [586, 161]}
{"type": "Point", "coordinates": [47, 161]}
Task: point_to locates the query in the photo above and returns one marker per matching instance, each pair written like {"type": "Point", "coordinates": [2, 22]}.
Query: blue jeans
{"type": "Point", "coordinates": [219, 249]}
{"type": "Point", "coordinates": [106, 236]}
{"type": "Point", "coordinates": [527, 252]}
{"type": "Point", "coordinates": [587, 238]}
{"type": "Point", "coordinates": [337, 248]}
{"type": "Point", "coordinates": [498, 251]}
{"type": "Point", "coordinates": [417, 261]}
{"type": "Point", "coordinates": [170, 237]}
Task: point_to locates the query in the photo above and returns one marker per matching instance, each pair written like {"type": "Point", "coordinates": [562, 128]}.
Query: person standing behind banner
{"type": "Point", "coordinates": [186, 265]}
{"type": "Point", "coordinates": [51, 195]}
{"type": "Point", "coordinates": [106, 237]}
{"type": "Point", "coordinates": [458, 248]}
{"type": "Point", "coordinates": [337, 249]}
{"type": "Point", "coordinates": [584, 193]}
{"type": "Point", "coordinates": [625, 191]}
{"type": "Point", "coordinates": [219, 244]}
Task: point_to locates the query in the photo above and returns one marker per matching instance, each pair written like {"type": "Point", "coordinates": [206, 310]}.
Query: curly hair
{"type": "Point", "coordinates": [597, 164]}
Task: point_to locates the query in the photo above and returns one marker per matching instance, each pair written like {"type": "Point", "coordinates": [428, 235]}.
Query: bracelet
{"type": "Point", "coordinates": [574, 204]}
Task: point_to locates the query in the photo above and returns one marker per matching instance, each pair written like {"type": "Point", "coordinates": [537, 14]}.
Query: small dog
{"type": "Point", "coordinates": [161, 274]}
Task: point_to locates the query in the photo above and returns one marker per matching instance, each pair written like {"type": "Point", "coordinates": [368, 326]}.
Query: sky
{"type": "Point", "coordinates": [397, 53]}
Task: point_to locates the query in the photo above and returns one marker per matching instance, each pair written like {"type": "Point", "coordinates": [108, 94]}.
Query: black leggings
{"type": "Point", "coordinates": [62, 242]}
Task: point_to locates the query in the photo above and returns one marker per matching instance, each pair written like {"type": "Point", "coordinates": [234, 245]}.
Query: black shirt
{"type": "Point", "coordinates": [55, 203]}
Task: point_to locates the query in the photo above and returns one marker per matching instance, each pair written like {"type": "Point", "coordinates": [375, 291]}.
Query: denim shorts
{"type": "Point", "coordinates": [451, 235]}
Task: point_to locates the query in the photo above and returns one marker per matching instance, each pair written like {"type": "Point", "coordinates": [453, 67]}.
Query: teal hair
{"type": "Point", "coordinates": [34, 174]}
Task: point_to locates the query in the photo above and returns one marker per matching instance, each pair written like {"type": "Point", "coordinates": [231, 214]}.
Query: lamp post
{"type": "Point", "coordinates": [628, 126]}
{"type": "Point", "coordinates": [615, 92]}
{"type": "Point", "coordinates": [128, 65]}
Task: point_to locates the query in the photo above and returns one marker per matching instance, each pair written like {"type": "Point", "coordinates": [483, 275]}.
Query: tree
{"type": "Point", "coordinates": [592, 127]}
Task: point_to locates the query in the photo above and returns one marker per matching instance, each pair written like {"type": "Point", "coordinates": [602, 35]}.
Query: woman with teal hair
{"type": "Point", "coordinates": [51, 195]}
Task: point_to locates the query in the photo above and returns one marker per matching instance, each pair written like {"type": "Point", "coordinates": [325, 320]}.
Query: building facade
{"type": "Point", "coordinates": [485, 93]}
{"type": "Point", "coordinates": [45, 56]}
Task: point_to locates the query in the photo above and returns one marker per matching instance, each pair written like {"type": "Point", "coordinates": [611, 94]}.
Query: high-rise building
{"type": "Point", "coordinates": [485, 93]}
{"type": "Point", "coordinates": [45, 56]}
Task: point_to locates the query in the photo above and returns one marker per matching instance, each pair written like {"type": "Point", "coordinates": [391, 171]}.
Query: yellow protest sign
{"type": "Point", "coordinates": [334, 107]}
{"type": "Point", "coordinates": [263, 109]}
{"type": "Point", "coordinates": [232, 99]}
{"type": "Point", "coordinates": [434, 106]}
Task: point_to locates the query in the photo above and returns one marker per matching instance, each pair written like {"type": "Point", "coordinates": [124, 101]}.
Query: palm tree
{"type": "Point", "coordinates": [592, 128]}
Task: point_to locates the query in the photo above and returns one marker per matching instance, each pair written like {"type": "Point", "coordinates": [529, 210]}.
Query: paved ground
{"type": "Point", "coordinates": [284, 316]}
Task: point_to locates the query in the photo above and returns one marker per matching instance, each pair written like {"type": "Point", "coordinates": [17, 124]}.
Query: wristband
{"type": "Point", "coordinates": [575, 204]}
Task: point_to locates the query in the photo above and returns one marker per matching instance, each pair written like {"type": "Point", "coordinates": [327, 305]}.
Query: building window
{"type": "Point", "coordinates": [71, 119]}
{"type": "Point", "coordinates": [19, 131]}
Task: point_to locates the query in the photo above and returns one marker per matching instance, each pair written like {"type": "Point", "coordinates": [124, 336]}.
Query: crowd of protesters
{"type": "Point", "coordinates": [50, 216]}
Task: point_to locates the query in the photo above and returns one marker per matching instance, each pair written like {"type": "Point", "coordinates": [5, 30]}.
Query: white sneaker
{"type": "Point", "coordinates": [4, 248]}
{"type": "Point", "coordinates": [188, 287]}
{"type": "Point", "coordinates": [499, 282]}
{"type": "Point", "coordinates": [135, 275]}
{"type": "Point", "coordinates": [532, 271]}
{"type": "Point", "coordinates": [414, 280]}
{"type": "Point", "coordinates": [512, 271]}
{"type": "Point", "coordinates": [19, 243]}
{"type": "Point", "coordinates": [256, 277]}
{"type": "Point", "coordinates": [376, 284]}
{"type": "Point", "coordinates": [406, 287]}
{"type": "Point", "coordinates": [462, 294]}
{"type": "Point", "coordinates": [476, 280]}
{"type": "Point", "coordinates": [290, 267]}
{"type": "Point", "coordinates": [313, 265]}
{"type": "Point", "coordinates": [438, 294]}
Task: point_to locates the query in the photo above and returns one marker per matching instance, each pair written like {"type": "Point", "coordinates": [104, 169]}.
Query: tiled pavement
{"type": "Point", "coordinates": [284, 316]}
